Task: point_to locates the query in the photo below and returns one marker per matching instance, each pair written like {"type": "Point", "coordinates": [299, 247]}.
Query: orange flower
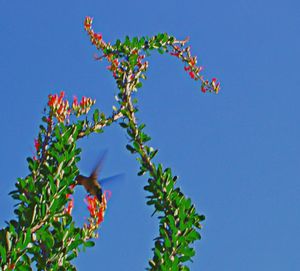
{"type": "Point", "coordinates": [59, 107]}
{"type": "Point", "coordinates": [37, 144]}
{"type": "Point", "coordinates": [88, 23]}
{"type": "Point", "coordinates": [91, 204]}
{"type": "Point", "coordinates": [192, 75]}
{"type": "Point", "coordinates": [96, 208]}
{"type": "Point", "coordinates": [70, 206]}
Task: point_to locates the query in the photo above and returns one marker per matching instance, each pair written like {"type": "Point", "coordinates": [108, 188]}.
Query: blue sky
{"type": "Point", "coordinates": [236, 153]}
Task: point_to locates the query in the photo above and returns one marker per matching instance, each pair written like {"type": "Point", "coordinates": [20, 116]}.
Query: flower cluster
{"type": "Point", "coordinates": [212, 86]}
{"type": "Point", "coordinates": [126, 59]}
{"type": "Point", "coordinates": [191, 67]}
{"type": "Point", "coordinates": [96, 38]}
{"type": "Point", "coordinates": [136, 66]}
{"type": "Point", "coordinates": [58, 106]}
{"type": "Point", "coordinates": [114, 66]}
{"type": "Point", "coordinates": [70, 205]}
{"type": "Point", "coordinates": [97, 210]}
{"type": "Point", "coordinates": [83, 107]}
{"type": "Point", "coordinates": [122, 60]}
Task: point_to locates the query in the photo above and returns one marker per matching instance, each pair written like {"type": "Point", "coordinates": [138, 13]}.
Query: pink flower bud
{"type": "Point", "coordinates": [192, 75]}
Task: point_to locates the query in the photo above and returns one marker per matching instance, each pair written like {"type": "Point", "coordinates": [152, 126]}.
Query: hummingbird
{"type": "Point", "coordinates": [91, 183]}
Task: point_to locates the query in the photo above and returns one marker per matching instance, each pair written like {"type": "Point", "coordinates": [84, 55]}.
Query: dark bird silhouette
{"type": "Point", "coordinates": [91, 184]}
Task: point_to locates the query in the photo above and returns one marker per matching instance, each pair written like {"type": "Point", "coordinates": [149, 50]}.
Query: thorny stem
{"type": "Point", "coordinates": [145, 158]}
{"type": "Point", "coordinates": [100, 125]}
{"type": "Point", "coordinates": [132, 118]}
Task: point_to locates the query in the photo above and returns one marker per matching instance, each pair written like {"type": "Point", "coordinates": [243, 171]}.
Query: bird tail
{"type": "Point", "coordinates": [99, 195]}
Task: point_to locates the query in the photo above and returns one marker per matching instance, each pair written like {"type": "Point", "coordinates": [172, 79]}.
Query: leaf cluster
{"type": "Point", "coordinates": [44, 232]}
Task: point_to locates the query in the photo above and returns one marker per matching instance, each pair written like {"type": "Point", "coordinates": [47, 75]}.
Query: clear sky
{"type": "Point", "coordinates": [236, 153]}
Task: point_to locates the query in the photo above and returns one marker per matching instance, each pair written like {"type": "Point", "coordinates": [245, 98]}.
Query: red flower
{"type": "Point", "coordinates": [75, 101]}
{"type": "Point", "coordinates": [192, 75]}
{"type": "Point", "coordinates": [62, 94]}
{"type": "Point", "coordinates": [49, 120]}
{"type": "Point", "coordinates": [203, 89]}
{"type": "Point", "coordinates": [97, 36]}
{"type": "Point", "coordinates": [174, 54]}
{"type": "Point", "coordinates": [187, 68]}
{"type": "Point", "coordinates": [70, 205]}
{"type": "Point", "coordinates": [100, 216]}
{"type": "Point", "coordinates": [88, 22]}
{"type": "Point", "coordinates": [193, 61]}
{"type": "Point", "coordinates": [52, 100]}
{"type": "Point", "coordinates": [116, 62]}
{"type": "Point", "coordinates": [37, 144]}
{"type": "Point", "coordinates": [91, 204]}
{"type": "Point", "coordinates": [96, 208]}
{"type": "Point", "coordinates": [83, 101]}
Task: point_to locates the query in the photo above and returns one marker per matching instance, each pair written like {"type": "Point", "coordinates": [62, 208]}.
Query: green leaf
{"type": "Point", "coordinates": [161, 51]}
{"type": "Point", "coordinates": [165, 38]}
{"type": "Point", "coordinates": [159, 170]}
{"type": "Point", "coordinates": [188, 203]}
{"type": "Point", "coordinates": [171, 40]}
{"type": "Point", "coordinates": [27, 239]}
{"type": "Point", "coordinates": [123, 124]}
{"type": "Point", "coordinates": [57, 133]}
{"type": "Point", "coordinates": [130, 148]}
{"type": "Point", "coordinates": [71, 256]}
{"type": "Point", "coordinates": [171, 222]}
{"type": "Point", "coordinates": [141, 173]}
{"type": "Point", "coordinates": [133, 60]}
{"type": "Point", "coordinates": [52, 184]}
{"type": "Point", "coordinates": [134, 42]}
{"type": "Point", "coordinates": [117, 44]}
{"type": "Point", "coordinates": [96, 116]}
{"type": "Point", "coordinates": [192, 236]}
{"type": "Point", "coordinates": [47, 238]}
{"type": "Point", "coordinates": [3, 254]}
{"type": "Point", "coordinates": [22, 267]}
{"type": "Point", "coordinates": [139, 85]}
{"type": "Point", "coordinates": [127, 41]}
{"type": "Point", "coordinates": [153, 154]}
{"type": "Point", "coordinates": [89, 244]}
{"type": "Point", "coordinates": [32, 164]}
{"type": "Point", "coordinates": [136, 146]}
{"type": "Point", "coordinates": [141, 41]}
{"type": "Point", "coordinates": [157, 253]}
{"type": "Point", "coordinates": [186, 253]}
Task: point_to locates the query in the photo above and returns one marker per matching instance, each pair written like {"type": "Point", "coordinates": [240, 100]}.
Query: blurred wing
{"type": "Point", "coordinates": [117, 177]}
{"type": "Point", "coordinates": [98, 167]}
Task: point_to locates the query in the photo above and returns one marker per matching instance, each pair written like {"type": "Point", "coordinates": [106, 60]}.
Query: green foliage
{"type": "Point", "coordinates": [44, 232]}
{"type": "Point", "coordinates": [179, 223]}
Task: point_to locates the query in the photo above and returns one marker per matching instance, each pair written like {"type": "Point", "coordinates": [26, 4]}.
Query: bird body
{"type": "Point", "coordinates": [91, 184]}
